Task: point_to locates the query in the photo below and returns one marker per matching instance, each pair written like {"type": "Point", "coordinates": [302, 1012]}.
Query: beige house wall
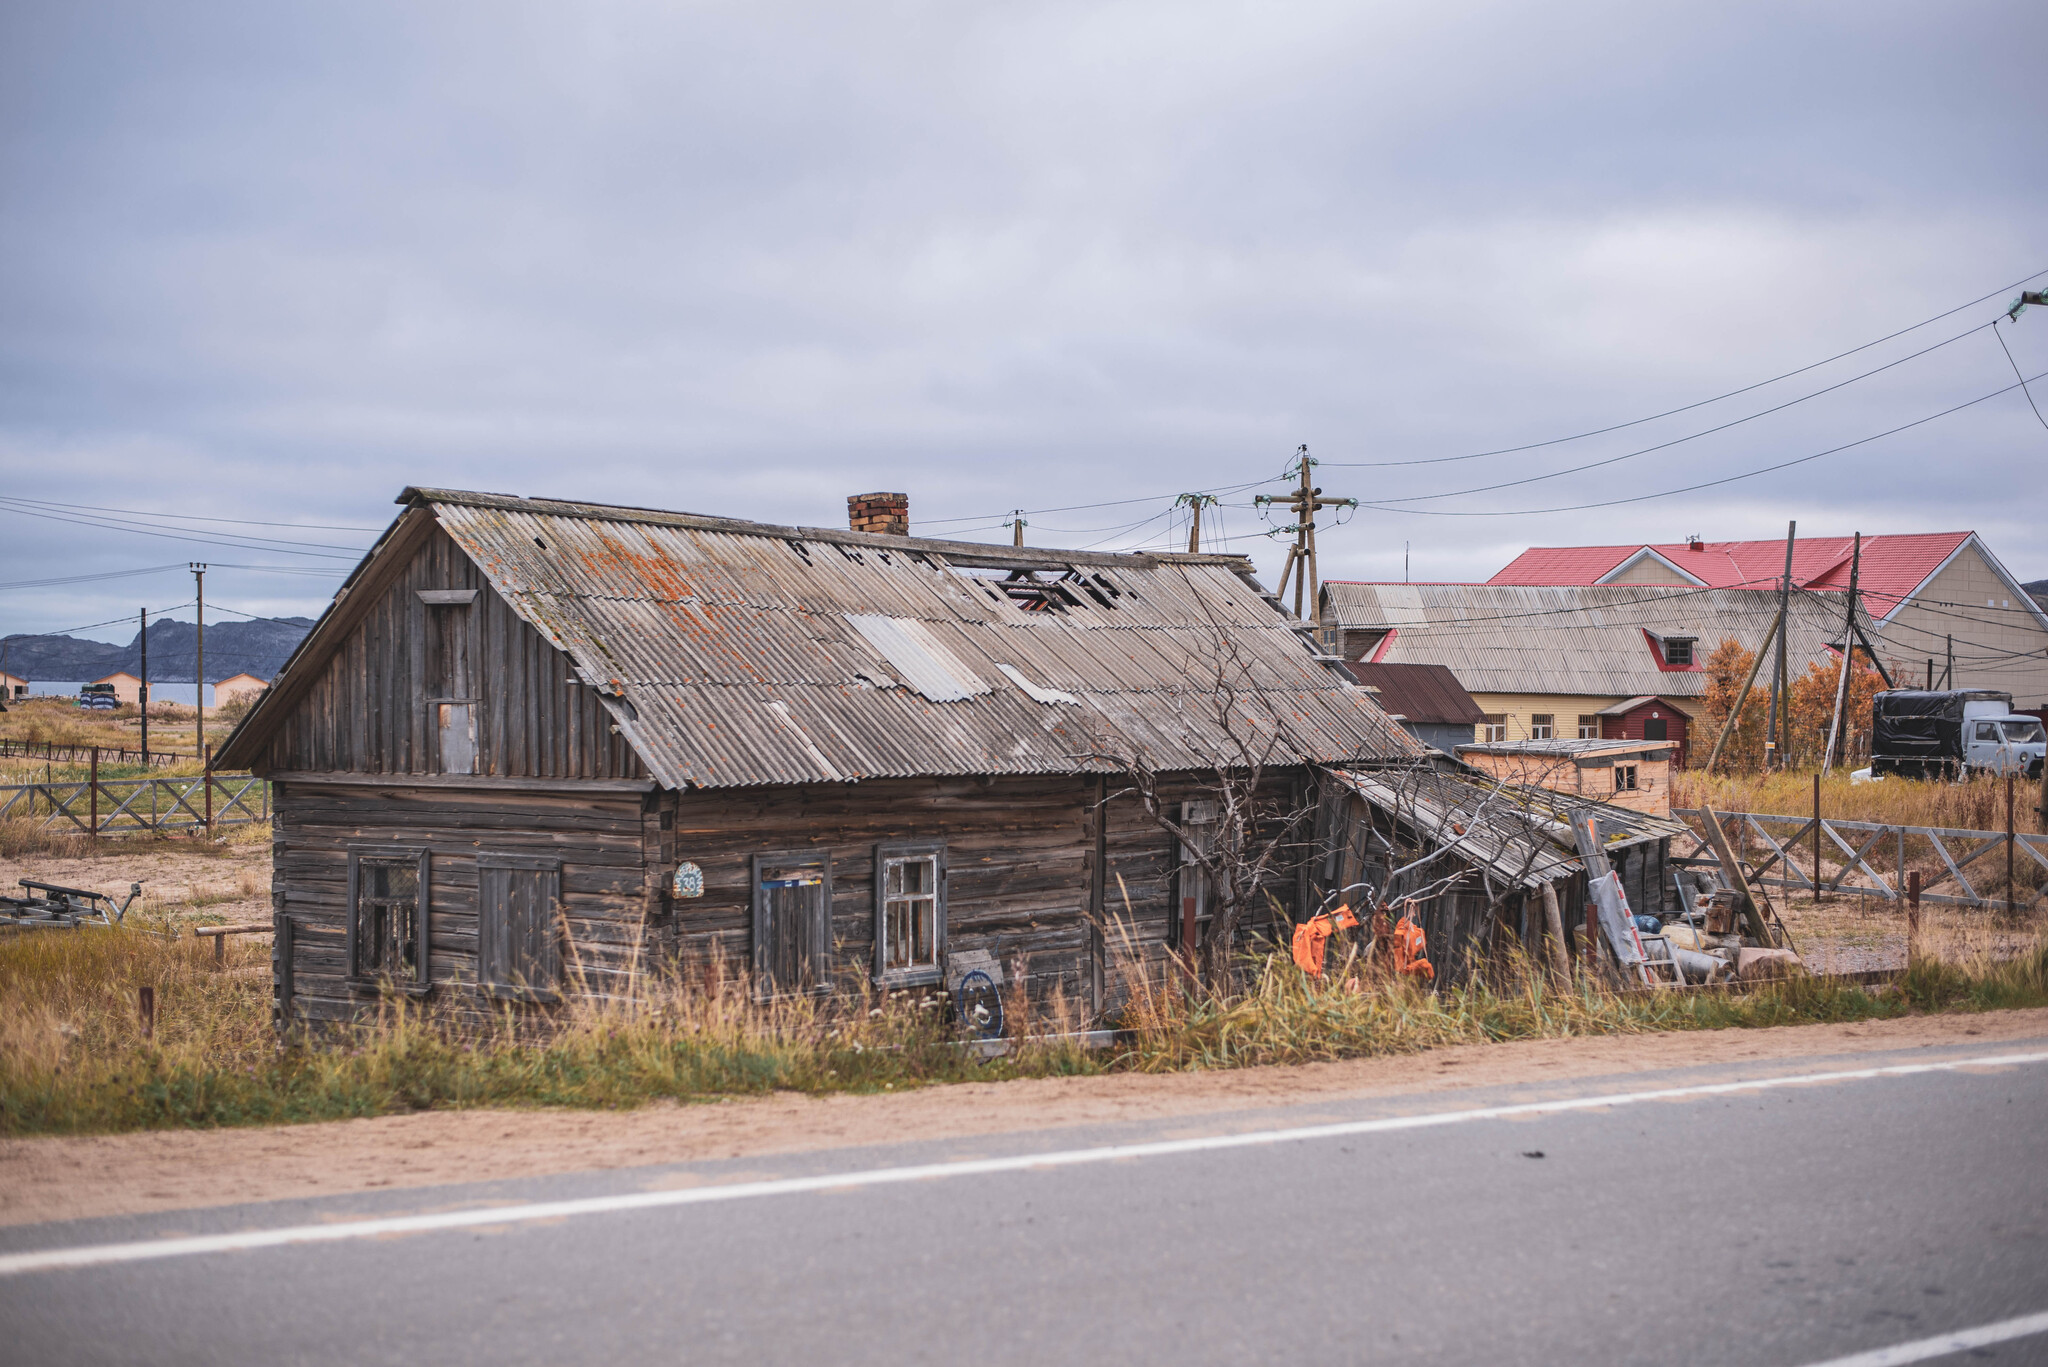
{"type": "Point", "coordinates": [1648, 570]}
{"type": "Point", "coordinates": [1972, 602]}
{"type": "Point", "coordinates": [1652, 794]}
{"type": "Point", "coordinates": [1518, 708]}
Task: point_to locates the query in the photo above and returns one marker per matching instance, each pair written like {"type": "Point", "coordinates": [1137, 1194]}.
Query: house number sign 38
{"type": "Point", "coordinates": [689, 880]}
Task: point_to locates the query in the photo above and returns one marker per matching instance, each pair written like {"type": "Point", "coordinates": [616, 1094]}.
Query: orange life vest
{"type": "Point", "coordinates": [1312, 936]}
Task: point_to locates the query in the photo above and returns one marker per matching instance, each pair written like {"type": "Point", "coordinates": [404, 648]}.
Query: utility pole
{"type": "Point", "coordinates": [1195, 503]}
{"type": "Point", "coordinates": [1948, 675]}
{"type": "Point", "coordinates": [144, 692]}
{"type": "Point", "coordinates": [1848, 661]}
{"type": "Point", "coordinates": [1305, 502]}
{"type": "Point", "coordinates": [199, 697]}
{"type": "Point", "coordinates": [1017, 526]}
{"type": "Point", "coordinates": [1774, 753]}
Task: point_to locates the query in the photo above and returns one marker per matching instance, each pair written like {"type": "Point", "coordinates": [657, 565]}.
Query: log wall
{"type": "Point", "coordinates": [368, 712]}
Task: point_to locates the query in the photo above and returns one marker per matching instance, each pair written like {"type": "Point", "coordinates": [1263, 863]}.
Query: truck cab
{"type": "Point", "coordinates": [2004, 745]}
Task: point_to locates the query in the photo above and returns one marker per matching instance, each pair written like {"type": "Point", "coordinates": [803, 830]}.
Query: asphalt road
{"type": "Point", "coordinates": [1788, 1224]}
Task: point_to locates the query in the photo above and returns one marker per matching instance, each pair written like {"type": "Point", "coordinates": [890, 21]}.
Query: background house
{"type": "Point", "coordinates": [127, 688]}
{"type": "Point", "coordinates": [242, 686]}
{"type": "Point", "coordinates": [13, 685]}
{"type": "Point", "coordinates": [1635, 774]}
{"type": "Point", "coordinates": [1546, 663]}
{"type": "Point", "coordinates": [1927, 593]}
{"type": "Point", "coordinates": [1426, 700]}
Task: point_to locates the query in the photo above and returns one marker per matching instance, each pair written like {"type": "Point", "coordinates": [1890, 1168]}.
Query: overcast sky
{"type": "Point", "coordinates": [276, 262]}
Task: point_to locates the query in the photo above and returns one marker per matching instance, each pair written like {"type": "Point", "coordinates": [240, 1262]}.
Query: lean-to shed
{"type": "Point", "coordinates": [534, 745]}
{"type": "Point", "coordinates": [1506, 840]}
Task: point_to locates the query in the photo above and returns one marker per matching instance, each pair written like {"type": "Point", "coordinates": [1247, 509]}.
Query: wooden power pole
{"type": "Point", "coordinates": [199, 670]}
{"type": "Point", "coordinates": [142, 693]}
{"type": "Point", "coordinates": [1194, 503]}
{"type": "Point", "coordinates": [1305, 502]}
{"type": "Point", "coordinates": [1774, 748]}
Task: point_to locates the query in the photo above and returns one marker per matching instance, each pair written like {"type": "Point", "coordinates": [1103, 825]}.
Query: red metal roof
{"type": "Point", "coordinates": [1893, 566]}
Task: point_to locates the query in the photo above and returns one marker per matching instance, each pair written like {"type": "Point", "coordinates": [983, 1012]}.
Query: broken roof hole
{"type": "Point", "coordinates": [803, 552]}
{"type": "Point", "coordinates": [540, 543]}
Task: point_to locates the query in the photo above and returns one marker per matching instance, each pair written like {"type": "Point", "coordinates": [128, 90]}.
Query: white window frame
{"type": "Point", "coordinates": [1589, 731]}
{"type": "Point", "coordinates": [898, 854]}
{"type": "Point", "coordinates": [1494, 729]}
{"type": "Point", "coordinates": [1542, 725]}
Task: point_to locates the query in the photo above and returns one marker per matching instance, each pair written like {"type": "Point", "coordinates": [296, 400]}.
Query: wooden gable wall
{"type": "Point", "coordinates": [368, 712]}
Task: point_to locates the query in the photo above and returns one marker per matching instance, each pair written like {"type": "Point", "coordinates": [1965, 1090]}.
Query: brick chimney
{"type": "Point", "coordinates": [882, 514]}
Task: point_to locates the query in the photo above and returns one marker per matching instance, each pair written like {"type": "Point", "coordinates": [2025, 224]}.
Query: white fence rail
{"type": "Point", "coordinates": [122, 806]}
{"type": "Point", "coordinates": [1864, 847]}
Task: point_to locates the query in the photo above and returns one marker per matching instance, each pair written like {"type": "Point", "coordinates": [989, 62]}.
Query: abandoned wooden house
{"type": "Point", "coordinates": [535, 748]}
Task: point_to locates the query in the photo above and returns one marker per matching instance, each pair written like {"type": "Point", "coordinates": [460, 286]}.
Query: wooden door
{"type": "Point", "coordinates": [519, 930]}
{"type": "Point", "coordinates": [792, 921]}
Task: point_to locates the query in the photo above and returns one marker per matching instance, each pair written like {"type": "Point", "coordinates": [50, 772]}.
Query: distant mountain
{"type": "Point", "coordinates": [2038, 591]}
{"type": "Point", "coordinates": [258, 648]}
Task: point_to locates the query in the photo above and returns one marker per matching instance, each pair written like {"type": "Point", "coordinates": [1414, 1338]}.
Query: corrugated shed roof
{"type": "Point", "coordinates": [1498, 638]}
{"type": "Point", "coordinates": [1893, 566]}
{"type": "Point", "coordinates": [1520, 835]}
{"type": "Point", "coordinates": [1425, 694]}
{"type": "Point", "coordinates": [741, 653]}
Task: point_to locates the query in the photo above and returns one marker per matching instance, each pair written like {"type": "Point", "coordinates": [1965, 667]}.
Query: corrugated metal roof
{"type": "Point", "coordinates": [1520, 835]}
{"type": "Point", "coordinates": [1893, 565]}
{"type": "Point", "coordinates": [1588, 641]}
{"type": "Point", "coordinates": [1424, 694]}
{"type": "Point", "coordinates": [741, 653]}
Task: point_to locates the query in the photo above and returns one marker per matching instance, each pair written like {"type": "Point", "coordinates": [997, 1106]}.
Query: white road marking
{"type": "Point", "coordinates": [93, 1255]}
{"type": "Point", "coordinates": [1941, 1345]}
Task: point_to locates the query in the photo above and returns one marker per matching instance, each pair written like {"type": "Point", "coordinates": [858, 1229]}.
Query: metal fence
{"type": "Point", "coordinates": [51, 753]}
{"type": "Point", "coordinates": [121, 806]}
{"type": "Point", "coordinates": [1863, 847]}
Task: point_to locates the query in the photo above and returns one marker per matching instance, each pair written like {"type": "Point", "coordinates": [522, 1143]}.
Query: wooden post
{"type": "Point", "coordinates": [145, 1010]}
{"type": "Point", "coordinates": [1816, 839]}
{"type": "Point", "coordinates": [1553, 920]}
{"type": "Point", "coordinates": [206, 782]}
{"type": "Point", "coordinates": [142, 696]}
{"type": "Point", "coordinates": [93, 785]}
{"type": "Point", "coordinates": [1735, 714]}
{"type": "Point", "coordinates": [1848, 657]}
{"type": "Point", "coordinates": [199, 692]}
{"type": "Point", "coordinates": [1912, 916]}
{"type": "Point", "coordinates": [2009, 903]}
{"type": "Point", "coordinates": [1774, 750]}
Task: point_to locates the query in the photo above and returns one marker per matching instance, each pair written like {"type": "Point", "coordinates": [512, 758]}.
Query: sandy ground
{"type": "Point", "coordinates": [180, 878]}
{"type": "Point", "coordinates": [69, 1178]}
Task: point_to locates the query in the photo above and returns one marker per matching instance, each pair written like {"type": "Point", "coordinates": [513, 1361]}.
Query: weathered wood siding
{"type": "Point", "coordinates": [368, 712]}
{"type": "Point", "coordinates": [598, 836]}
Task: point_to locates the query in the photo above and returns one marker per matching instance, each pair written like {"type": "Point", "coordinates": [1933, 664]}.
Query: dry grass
{"type": "Point", "coordinates": [1977, 805]}
{"type": "Point", "coordinates": [73, 1057]}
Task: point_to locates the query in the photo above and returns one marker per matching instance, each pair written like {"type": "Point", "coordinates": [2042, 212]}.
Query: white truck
{"type": "Point", "coordinates": [1916, 733]}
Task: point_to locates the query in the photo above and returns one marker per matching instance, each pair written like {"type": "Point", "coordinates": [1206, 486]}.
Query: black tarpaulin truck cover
{"type": "Point", "coordinates": [1919, 724]}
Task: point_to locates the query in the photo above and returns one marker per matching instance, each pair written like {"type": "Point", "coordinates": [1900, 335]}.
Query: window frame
{"type": "Point", "coordinates": [1673, 646]}
{"type": "Point", "coordinates": [1628, 772]}
{"type": "Point", "coordinates": [1589, 725]}
{"type": "Point", "coordinates": [485, 932]}
{"type": "Point", "coordinates": [906, 851]}
{"type": "Point", "coordinates": [421, 857]}
{"type": "Point", "coordinates": [821, 948]}
{"type": "Point", "coordinates": [1543, 726]}
{"type": "Point", "coordinates": [1493, 728]}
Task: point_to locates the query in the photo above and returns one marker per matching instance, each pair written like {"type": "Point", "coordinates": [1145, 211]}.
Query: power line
{"type": "Point", "coordinates": [1694, 436]}
{"type": "Point", "coordinates": [1687, 408]}
{"type": "Point", "coordinates": [2016, 370]}
{"type": "Point", "coordinates": [191, 517]}
{"type": "Point", "coordinates": [270, 544]}
{"type": "Point", "coordinates": [1712, 483]}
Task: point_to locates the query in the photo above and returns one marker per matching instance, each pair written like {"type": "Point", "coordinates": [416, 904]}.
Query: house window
{"type": "Point", "coordinates": [1542, 725]}
{"type": "Point", "coordinates": [1493, 728]}
{"type": "Point", "coordinates": [387, 922]}
{"type": "Point", "coordinates": [1199, 820]}
{"type": "Point", "coordinates": [1589, 727]}
{"type": "Point", "coordinates": [792, 921]}
{"type": "Point", "coordinates": [1624, 778]}
{"type": "Point", "coordinates": [1678, 650]}
{"type": "Point", "coordinates": [519, 926]}
{"type": "Point", "coordinates": [910, 913]}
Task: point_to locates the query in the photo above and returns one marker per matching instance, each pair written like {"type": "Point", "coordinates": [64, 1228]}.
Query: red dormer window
{"type": "Point", "coordinates": [1673, 652]}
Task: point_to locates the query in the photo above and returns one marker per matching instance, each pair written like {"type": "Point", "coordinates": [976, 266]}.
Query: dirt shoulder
{"type": "Point", "coordinates": [71, 1178]}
